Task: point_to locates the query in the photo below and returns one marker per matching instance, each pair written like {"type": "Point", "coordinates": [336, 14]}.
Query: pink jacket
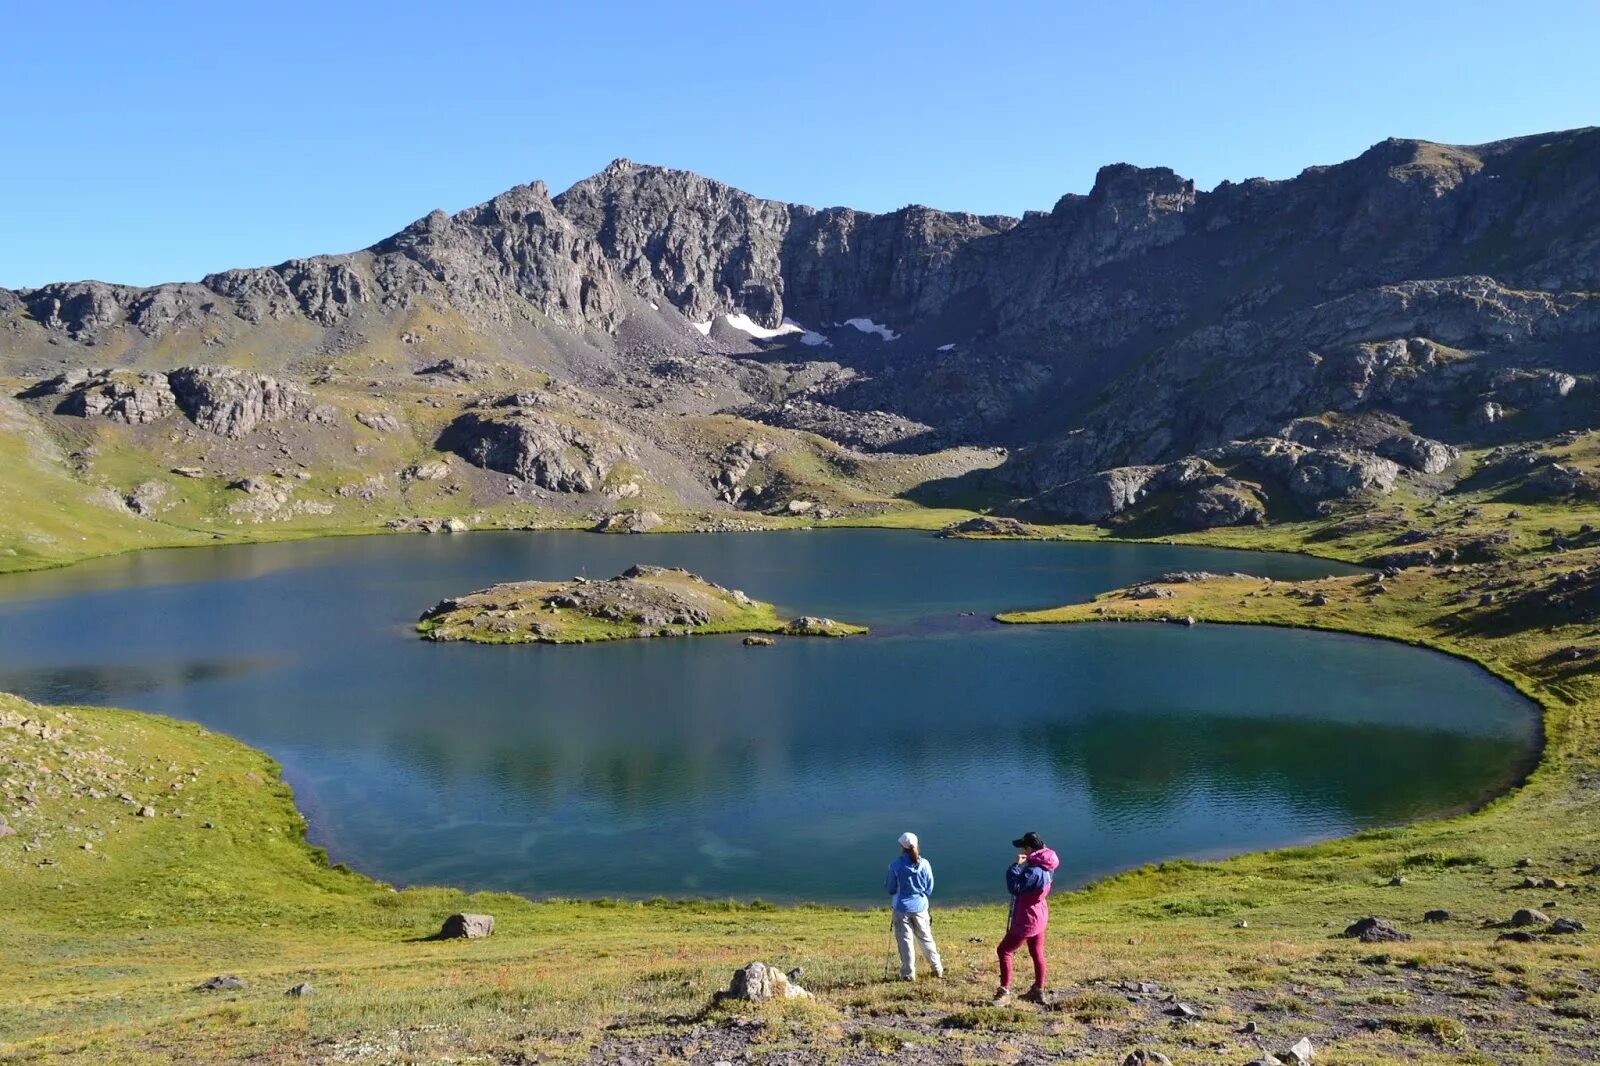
{"type": "Point", "coordinates": [1029, 884]}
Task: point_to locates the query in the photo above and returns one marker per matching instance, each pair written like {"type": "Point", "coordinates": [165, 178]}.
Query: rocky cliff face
{"type": "Point", "coordinates": [1371, 316]}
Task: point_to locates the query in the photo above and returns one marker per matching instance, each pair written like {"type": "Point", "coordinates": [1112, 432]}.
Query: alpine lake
{"type": "Point", "coordinates": [703, 767]}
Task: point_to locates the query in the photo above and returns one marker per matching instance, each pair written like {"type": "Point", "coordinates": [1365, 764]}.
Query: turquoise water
{"type": "Point", "coordinates": [702, 767]}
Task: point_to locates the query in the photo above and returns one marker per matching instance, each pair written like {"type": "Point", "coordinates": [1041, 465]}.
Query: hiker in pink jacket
{"type": "Point", "coordinates": [1028, 880]}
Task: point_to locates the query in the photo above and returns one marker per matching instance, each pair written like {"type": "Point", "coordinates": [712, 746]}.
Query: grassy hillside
{"type": "Point", "coordinates": [103, 947]}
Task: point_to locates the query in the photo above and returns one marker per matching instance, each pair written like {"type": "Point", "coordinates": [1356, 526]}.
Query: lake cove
{"type": "Point", "coordinates": [705, 767]}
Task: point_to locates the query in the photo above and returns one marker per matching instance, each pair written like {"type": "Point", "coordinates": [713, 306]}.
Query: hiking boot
{"type": "Point", "coordinates": [908, 977]}
{"type": "Point", "coordinates": [1002, 997]}
{"type": "Point", "coordinates": [938, 973]}
{"type": "Point", "coordinates": [1034, 995]}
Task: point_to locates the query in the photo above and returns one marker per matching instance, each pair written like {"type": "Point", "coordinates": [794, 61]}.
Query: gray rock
{"type": "Point", "coordinates": [1525, 916]}
{"type": "Point", "coordinates": [434, 470]}
{"type": "Point", "coordinates": [135, 399]}
{"type": "Point", "coordinates": [1300, 1053]}
{"type": "Point", "coordinates": [1371, 930]}
{"type": "Point", "coordinates": [232, 402]}
{"type": "Point", "coordinates": [222, 983]}
{"type": "Point", "coordinates": [555, 454]}
{"type": "Point", "coordinates": [1142, 1057]}
{"type": "Point", "coordinates": [629, 522]}
{"type": "Point", "coordinates": [299, 990]}
{"type": "Point", "coordinates": [1565, 925]}
{"type": "Point", "coordinates": [1419, 453]}
{"type": "Point", "coordinates": [989, 526]}
{"type": "Point", "coordinates": [1214, 506]}
{"type": "Point", "coordinates": [467, 927]}
{"type": "Point", "coordinates": [380, 421]}
{"type": "Point", "coordinates": [757, 982]}
{"type": "Point", "coordinates": [1098, 496]}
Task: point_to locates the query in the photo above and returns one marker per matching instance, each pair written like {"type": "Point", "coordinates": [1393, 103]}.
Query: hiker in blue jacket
{"type": "Point", "coordinates": [910, 883]}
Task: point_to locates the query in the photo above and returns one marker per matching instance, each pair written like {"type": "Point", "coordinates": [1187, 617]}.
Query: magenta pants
{"type": "Point", "coordinates": [1008, 946]}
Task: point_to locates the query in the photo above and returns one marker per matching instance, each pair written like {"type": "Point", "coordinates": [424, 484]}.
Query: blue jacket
{"type": "Point", "coordinates": [909, 885]}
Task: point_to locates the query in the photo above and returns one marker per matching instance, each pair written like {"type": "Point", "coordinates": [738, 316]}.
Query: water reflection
{"type": "Point", "coordinates": [702, 766]}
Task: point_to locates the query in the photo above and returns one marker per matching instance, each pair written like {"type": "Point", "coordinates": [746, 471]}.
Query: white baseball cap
{"type": "Point", "coordinates": [908, 840]}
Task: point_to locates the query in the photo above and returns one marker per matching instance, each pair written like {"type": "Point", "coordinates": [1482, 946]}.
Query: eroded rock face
{"type": "Point", "coordinates": [1419, 453]}
{"type": "Point", "coordinates": [231, 402]}
{"type": "Point", "coordinates": [136, 399]}
{"type": "Point", "coordinates": [554, 453]}
{"type": "Point", "coordinates": [1229, 503]}
{"type": "Point", "coordinates": [1098, 496]}
{"type": "Point", "coordinates": [1332, 475]}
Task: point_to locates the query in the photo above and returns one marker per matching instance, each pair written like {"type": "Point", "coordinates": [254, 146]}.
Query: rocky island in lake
{"type": "Point", "coordinates": [642, 601]}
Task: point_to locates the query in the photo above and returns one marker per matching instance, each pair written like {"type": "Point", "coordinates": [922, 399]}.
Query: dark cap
{"type": "Point", "coordinates": [1031, 841]}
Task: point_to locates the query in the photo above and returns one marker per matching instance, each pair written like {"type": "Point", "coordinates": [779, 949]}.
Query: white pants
{"type": "Point", "coordinates": [909, 927]}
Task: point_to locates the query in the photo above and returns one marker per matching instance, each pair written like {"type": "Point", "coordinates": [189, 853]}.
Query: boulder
{"type": "Point", "coordinates": [1525, 916]}
{"type": "Point", "coordinates": [1565, 925]}
{"type": "Point", "coordinates": [457, 370]}
{"type": "Point", "coordinates": [1141, 1057]}
{"type": "Point", "coordinates": [380, 421]}
{"type": "Point", "coordinates": [221, 983]}
{"type": "Point", "coordinates": [1371, 930]}
{"type": "Point", "coordinates": [757, 982]}
{"type": "Point", "coordinates": [1300, 1053]}
{"type": "Point", "coordinates": [1560, 480]}
{"type": "Point", "coordinates": [467, 927]}
{"type": "Point", "coordinates": [435, 470]}
{"type": "Point", "coordinates": [629, 522]}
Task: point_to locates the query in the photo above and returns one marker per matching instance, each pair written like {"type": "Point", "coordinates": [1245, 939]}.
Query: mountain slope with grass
{"type": "Point", "coordinates": [651, 340]}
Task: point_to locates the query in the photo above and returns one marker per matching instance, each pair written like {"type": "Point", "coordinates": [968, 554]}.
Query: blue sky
{"type": "Point", "coordinates": [154, 142]}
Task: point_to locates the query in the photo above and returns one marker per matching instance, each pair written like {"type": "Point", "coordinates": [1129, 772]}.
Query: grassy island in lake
{"type": "Point", "coordinates": [642, 601]}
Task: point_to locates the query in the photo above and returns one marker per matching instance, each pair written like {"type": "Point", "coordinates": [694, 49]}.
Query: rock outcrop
{"type": "Point", "coordinates": [231, 402]}
{"type": "Point", "coordinates": [555, 453]}
{"type": "Point", "coordinates": [135, 399]}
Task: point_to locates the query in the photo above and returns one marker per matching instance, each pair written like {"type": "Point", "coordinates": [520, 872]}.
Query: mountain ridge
{"type": "Point", "coordinates": [1133, 326]}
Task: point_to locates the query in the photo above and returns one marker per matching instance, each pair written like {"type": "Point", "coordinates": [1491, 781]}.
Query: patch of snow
{"type": "Point", "coordinates": [813, 339]}
{"type": "Point", "coordinates": [703, 327]}
{"type": "Point", "coordinates": [654, 306]}
{"type": "Point", "coordinates": [743, 322]}
{"type": "Point", "coordinates": [946, 348]}
{"type": "Point", "coordinates": [866, 325]}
